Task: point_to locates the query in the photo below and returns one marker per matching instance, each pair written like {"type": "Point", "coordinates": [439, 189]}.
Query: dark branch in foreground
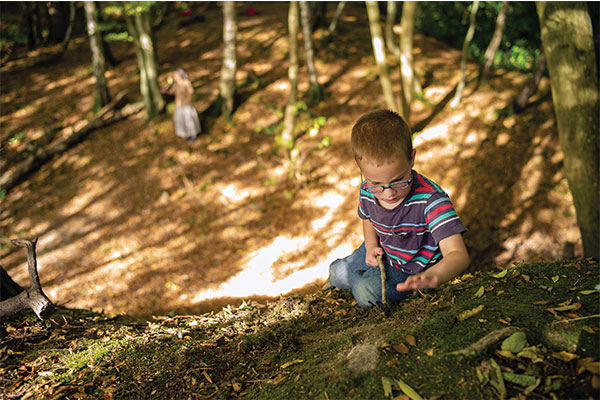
{"type": "Point", "coordinates": [33, 297]}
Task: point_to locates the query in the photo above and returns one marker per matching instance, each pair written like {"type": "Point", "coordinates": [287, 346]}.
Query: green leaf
{"type": "Point", "coordinates": [586, 292]}
{"type": "Point", "coordinates": [500, 274]}
{"type": "Point", "coordinates": [387, 386]}
{"type": "Point", "coordinates": [521, 380]}
{"type": "Point", "coordinates": [410, 392]}
{"type": "Point", "coordinates": [515, 342]}
{"type": "Point", "coordinates": [480, 292]}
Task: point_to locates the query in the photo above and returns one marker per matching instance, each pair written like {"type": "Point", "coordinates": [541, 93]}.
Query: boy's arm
{"type": "Point", "coordinates": [455, 260]}
{"type": "Point", "coordinates": [371, 244]}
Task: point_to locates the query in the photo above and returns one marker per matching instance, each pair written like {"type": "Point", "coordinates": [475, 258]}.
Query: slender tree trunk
{"type": "Point", "coordinates": [406, 57]}
{"type": "Point", "coordinates": [463, 61]}
{"type": "Point", "coordinates": [229, 66]}
{"type": "Point", "coordinates": [336, 17]}
{"type": "Point", "coordinates": [521, 102]}
{"type": "Point", "coordinates": [390, 21]}
{"type": "Point", "coordinates": [287, 135]}
{"type": "Point", "coordinates": [102, 95]}
{"type": "Point", "coordinates": [69, 31]}
{"type": "Point", "coordinates": [379, 52]}
{"type": "Point", "coordinates": [567, 37]}
{"type": "Point", "coordinates": [139, 27]}
{"type": "Point", "coordinates": [315, 92]}
{"type": "Point", "coordinates": [28, 17]}
{"type": "Point", "coordinates": [494, 45]}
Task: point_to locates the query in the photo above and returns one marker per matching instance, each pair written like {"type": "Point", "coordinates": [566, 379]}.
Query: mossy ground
{"type": "Point", "coordinates": [322, 345]}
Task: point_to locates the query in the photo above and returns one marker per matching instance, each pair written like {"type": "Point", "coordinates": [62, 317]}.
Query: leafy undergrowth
{"type": "Point", "coordinates": [539, 323]}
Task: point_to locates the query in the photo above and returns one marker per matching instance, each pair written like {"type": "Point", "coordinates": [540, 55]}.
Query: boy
{"type": "Point", "coordinates": [407, 219]}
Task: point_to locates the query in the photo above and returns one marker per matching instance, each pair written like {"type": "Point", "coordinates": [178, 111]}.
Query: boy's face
{"type": "Point", "coordinates": [386, 174]}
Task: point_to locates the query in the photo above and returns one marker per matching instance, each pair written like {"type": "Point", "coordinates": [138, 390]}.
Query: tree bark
{"type": "Point", "coordinates": [287, 135]}
{"type": "Point", "coordinates": [521, 102]}
{"type": "Point", "coordinates": [336, 17]}
{"type": "Point", "coordinates": [406, 57]}
{"type": "Point", "coordinates": [101, 93]}
{"type": "Point", "coordinates": [229, 66]}
{"type": "Point", "coordinates": [379, 52]}
{"type": "Point", "coordinates": [390, 21]}
{"type": "Point", "coordinates": [106, 116]}
{"type": "Point", "coordinates": [494, 44]}
{"type": "Point", "coordinates": [567, 37]}
{"type": "Point", "coordinates": [33, 297]}
{"type": "Point", "coordinates": [138, 24]}
{"type": "Point", "coordinates": [315, 92]}
{"type": "Point", "coordinates": [463, 61]}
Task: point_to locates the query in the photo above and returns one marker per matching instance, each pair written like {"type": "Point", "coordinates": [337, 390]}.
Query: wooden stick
{"type": "Point", "coordinates": [383, 278]}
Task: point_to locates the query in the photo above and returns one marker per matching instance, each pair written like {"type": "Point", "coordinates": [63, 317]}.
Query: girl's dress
{"type": "Point", "coordinates": [185, 117]}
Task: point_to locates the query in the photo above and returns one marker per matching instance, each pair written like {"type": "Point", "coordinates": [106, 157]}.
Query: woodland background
{"type": "Point", "coordinates": [132, 219]}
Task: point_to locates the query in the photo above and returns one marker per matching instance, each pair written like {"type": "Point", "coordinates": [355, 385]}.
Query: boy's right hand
{"type": "Point", "coordinates": [371, 258]}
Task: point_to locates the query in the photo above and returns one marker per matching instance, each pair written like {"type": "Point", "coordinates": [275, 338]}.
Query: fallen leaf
{"type": "Point", "coordinates": [570, 307]}
{"type": "Point", "coordinates": [586, 292]}
{"type": "Point", "coordinates": [541, 302]}
{"type": "Point", "coordinates": [515, 342]}
{"type": "Point", "coordinates": [479, 292]}
{"type": "Point", "coordinates": [278, 379]}
{"type": "Point", "coordinates": [410, 339]}
{"type": "Point", "coordinates": [506, 354]}
{"type": "Point", "coordinates": [503, 321]}
{"type": "Point", "coordinates": [400, 348]}
{"type": "Point", "coordinates": [429, 352]}
{"type": "Point", "coordinates": [500, 274]}
{"type": "Point", "coordinates": [590, 365]}
{"type": "Point", "coordinates": [565, 356]}
{"type": "Point", "coordinates": [521, 380]}
{"type": "Point", "coordinates": [410, 392]}
{"type": "Point", "coordinates": [207, 377]}
{"type": "Point", "coordinates": [531, 353]}
{"type": "Point", "coordinates": [290, 363]}
{"type": "Point", "coordinates": [469, 313]}
{"type": "Point", "coordinates": [555, 278]}
{"type": "Point", "coordinates": [236, 386]}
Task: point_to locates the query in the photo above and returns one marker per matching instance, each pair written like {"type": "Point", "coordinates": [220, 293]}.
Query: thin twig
{"type": "Point", "coordinates": [383, 278]}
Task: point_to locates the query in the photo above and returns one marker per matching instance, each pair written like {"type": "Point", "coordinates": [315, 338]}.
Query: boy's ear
{"type": "Point", "coordinates": [412, 158]}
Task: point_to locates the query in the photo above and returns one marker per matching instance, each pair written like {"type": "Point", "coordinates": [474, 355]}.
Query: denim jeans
{"type": "Point", "coordinates": [353, 273]}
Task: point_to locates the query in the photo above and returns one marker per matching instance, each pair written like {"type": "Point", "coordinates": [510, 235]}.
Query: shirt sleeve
{"type": "Point", "coordinates": [441, 218]}
{"type": "Point", "coordinates": [364, 200]}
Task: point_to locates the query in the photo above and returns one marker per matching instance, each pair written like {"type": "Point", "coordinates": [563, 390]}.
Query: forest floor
{"type": "Point", "coordinates": [527, 332]}
{"type": "Point", "coordinates": [134, 220]}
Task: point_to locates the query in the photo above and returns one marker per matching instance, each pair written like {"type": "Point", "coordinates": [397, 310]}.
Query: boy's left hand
{"type": "Point", "coordinates": [419, 281]}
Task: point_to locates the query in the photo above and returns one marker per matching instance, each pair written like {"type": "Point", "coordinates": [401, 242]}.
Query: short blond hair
{"type": "Point", "coordinates": [381, 136]}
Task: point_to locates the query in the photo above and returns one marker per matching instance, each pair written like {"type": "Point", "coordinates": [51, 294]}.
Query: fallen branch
{"type": "Point", "coordinates": [106, 116]}
{"type": "Point", "coordinates": [485, 341]}
{"type": "Point", "coordinates": [33, 297]}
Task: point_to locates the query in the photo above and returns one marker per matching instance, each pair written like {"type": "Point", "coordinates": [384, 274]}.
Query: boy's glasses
{"type": "Point", "coordinates": [398, 185]}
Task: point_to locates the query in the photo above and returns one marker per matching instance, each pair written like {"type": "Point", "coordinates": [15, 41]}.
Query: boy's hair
{"type": "Point", "coordinates": [381, 136]}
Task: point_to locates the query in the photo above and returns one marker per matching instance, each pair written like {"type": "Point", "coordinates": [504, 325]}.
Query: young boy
{"type": "Point", "coordinates": [407, 219]}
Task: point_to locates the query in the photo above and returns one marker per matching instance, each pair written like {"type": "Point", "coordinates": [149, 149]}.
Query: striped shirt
{"type": "Point", "coordinates": [410, 233]}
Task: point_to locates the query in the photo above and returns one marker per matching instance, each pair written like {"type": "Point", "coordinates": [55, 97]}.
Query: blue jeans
{"type": "Point", "coordinates": [353, 273]}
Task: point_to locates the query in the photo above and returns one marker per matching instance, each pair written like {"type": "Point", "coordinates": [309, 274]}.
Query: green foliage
{"type": "Point", "coordinates": [448, 21]}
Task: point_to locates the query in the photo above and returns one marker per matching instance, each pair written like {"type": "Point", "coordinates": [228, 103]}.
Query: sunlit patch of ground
{"type": "Point", "coordinates": [136, 220]}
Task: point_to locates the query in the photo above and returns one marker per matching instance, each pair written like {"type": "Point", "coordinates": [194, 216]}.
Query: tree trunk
{"type": "Point", "coordinates": [229, 66]}
{"type": "Point", "coordinates": [57, 23]}
{"type": "Point", "coordinates": [102, 96]}
{"type": "Point", "coordinates": [138, 24]}
{"type": "Point", "coordinates": [28, 17]}
{"type": "Point", "coordinates": [521, 102]}
{"type": "Point", "coordinates": [287, 136]}
{"type": "Point", "coordinates": [390, 21]}
{"type": "Point", "coordinates": [406, 58]}
{"type": "Point", "coordinates": [567, 37]}
{"type": "Point", "coordinates": [336, 17]}
{"type": "Point", "coordinates": [463, 61]}
{"type": "Point", "coordinates": [315, 92]}
{"type": "Point", "coordinates": [379, 52]}
{"type": "Point", "coordinates": [494, 45]}
{"type": "Point", "coordinates": [69, 31]}
{"type": "Point", "coordinates": [33, 297]}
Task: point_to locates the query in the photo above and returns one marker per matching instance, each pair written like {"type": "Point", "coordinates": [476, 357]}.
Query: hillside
{"type": "Point", "coordinates": [323, 346]}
